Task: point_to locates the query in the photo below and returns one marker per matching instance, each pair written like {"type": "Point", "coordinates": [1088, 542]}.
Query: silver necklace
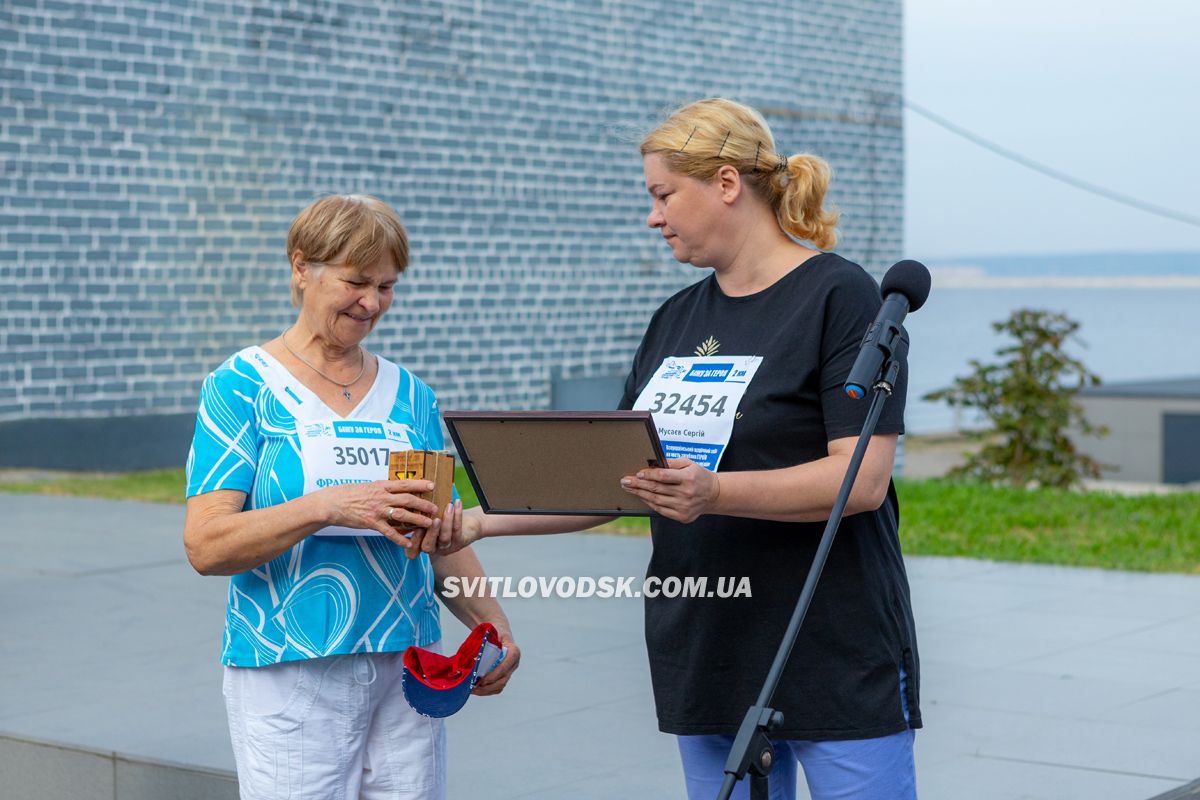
{"type": "Point", "coordinates": [345, 386]}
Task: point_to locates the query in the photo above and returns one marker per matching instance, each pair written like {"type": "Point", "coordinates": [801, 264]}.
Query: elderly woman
{"type": "Point", "coordinates": [777, 443]}
{"type": "Point", "coordinates": [327, 591]}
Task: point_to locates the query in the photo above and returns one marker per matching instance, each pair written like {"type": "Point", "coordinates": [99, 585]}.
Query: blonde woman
{"type": "Point", "coordinates": [326, 591]}
{"type": "Point", "coordinates": [749, 362]}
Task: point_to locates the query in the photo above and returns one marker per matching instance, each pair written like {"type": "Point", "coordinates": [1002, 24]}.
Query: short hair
{"type": "Point", "coordinates": [701, 137]}
{"type": "Point", "coordinates": [357, 228]}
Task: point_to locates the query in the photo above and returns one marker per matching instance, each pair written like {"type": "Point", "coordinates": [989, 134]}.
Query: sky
{"type": "Point", "coordinates": [1107, 91]}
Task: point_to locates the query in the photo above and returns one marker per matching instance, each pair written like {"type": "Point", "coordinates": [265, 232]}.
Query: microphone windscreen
{"type": "Point", "coordinates": [909, 278]}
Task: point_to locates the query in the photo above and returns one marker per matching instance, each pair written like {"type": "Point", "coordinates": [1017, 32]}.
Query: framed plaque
{"type": "Point", "coordinates": [555, 462]}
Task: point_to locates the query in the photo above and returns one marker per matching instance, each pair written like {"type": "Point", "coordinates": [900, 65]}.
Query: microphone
{"type": "Point", "coordinates": [905, 288]}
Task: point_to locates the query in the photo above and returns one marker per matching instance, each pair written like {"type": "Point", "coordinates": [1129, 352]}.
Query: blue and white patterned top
{"type": "Point", "coordinates": [327, 595]}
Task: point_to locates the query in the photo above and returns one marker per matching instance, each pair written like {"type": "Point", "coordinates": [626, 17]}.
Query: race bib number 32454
{"type": "Point", "coordinates": [694, 402]}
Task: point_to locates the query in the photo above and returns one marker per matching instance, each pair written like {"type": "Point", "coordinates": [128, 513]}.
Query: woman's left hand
{"type": "Point", "coordinates": [682, 492]}
{"type": "Point", "coordinates": [495, 681]}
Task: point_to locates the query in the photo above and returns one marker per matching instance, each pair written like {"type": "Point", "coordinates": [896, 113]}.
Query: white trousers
{"type": "Point", "coordinates": [335, 728]}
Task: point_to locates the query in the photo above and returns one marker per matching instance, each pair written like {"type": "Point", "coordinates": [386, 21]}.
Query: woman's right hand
{"type": "Point", "coordinates": [390, 507]}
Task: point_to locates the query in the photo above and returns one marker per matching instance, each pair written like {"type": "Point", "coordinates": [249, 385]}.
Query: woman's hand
{"type": "Point", "coordinates": [682, 492]}
{"type": "Point", "coordinates": [495, 681]}
{"type": "Point", "coordinates": [390, 507]}
{"type": "Point", "coordinates": [454, 531]}
{"type": "Point", "coordinates": [472, 608]}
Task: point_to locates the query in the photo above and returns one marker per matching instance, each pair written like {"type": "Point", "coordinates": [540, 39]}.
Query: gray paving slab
{"type": "Point", "coordinates": [140, 780]}
{"type": "Point", "coordinates": [31, 771]}
{"type": "Point", "coordinates": [1175, 709]}
{"type": "Point", "coordinates": [1038, 682]}
{"type": "Point", "coordinates": [981, 776]}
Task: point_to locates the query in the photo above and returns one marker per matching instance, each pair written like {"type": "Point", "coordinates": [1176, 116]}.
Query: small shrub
{"type": "Point", "coordinates": [1029, 398]}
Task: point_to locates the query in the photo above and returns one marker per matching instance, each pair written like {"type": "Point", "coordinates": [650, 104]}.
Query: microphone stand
{"type": "Point", "coordinates": [752, 751]}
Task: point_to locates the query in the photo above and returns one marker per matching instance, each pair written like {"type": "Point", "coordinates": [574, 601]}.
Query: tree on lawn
{"type": "Point", "coordinates": [1029, 398]}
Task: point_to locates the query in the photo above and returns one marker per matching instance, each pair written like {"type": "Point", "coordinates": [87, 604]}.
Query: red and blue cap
{"type": "Point", "coordinates": [436, 685]}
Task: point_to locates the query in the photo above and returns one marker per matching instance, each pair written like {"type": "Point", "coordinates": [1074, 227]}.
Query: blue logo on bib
{"type": "Point", "coordinates": [708, 373]}
{"type": "Point", "coordinates": [358, 430]}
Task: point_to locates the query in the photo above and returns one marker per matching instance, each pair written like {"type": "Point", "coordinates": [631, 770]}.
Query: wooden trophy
{"type": "Point", "coordinates": [429, 465]}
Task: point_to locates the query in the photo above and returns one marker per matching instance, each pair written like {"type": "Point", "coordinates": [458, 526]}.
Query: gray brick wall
{"type": "Point", "coordinates": [152, 155]}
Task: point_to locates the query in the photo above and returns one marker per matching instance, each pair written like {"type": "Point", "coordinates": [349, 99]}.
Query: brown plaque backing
{"type": "Point", "coordinates": [544, 462]}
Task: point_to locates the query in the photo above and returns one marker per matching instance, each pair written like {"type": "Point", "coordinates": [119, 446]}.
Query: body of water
{"type": "Point", "coordinates": [1134, 329]}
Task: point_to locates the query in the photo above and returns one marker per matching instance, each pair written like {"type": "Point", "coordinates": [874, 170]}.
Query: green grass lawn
{"type": "Point", "coordinates": [1148, 533]}
{"type": "Point", "coordinates": [1151, 533]}
{"type": "Point", "coordinates": [154, 486]}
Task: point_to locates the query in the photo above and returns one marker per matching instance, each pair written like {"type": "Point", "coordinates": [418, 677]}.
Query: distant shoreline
{"type": "Point", "coordinates": [1180, 270]}
{"type": "Point", "coordinates": [942, 280]}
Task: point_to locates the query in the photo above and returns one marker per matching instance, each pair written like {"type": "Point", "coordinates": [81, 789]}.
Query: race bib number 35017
{"type": "Point", "coordinates": [694, 402]}
{"type": "Point", "coordinates": [337, 451]}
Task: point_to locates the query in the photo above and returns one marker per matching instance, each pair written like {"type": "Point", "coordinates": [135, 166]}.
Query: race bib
{"type": "Point", "coordinates": [694, 402]}
{"type": "Point", "coordinates": [337, 451]}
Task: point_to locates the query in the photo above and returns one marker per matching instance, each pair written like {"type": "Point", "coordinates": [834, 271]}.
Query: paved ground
{"type": "Point", "coordinates": [1038, 682]}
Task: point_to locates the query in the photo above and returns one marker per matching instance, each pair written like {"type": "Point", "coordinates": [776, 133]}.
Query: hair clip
{"type": "Point", "coordinates": [689, 138]}
{"type": "Point", "coordinates": [723, 141]}
{"type": "Point", "coordinates": [757, 147]}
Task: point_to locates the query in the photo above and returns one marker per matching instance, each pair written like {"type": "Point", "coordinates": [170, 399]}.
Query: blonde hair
{"type": "Point", "coordinates": [359, 228]}
{"type": "Point", "coordinates": [701, 137]}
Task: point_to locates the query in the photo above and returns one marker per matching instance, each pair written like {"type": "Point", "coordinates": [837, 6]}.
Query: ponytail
{"type": "Point", "coordinates": [800, 209]}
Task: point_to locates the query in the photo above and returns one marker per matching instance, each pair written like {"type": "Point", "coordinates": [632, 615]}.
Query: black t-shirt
{"type": "Point", "coordinates": [709, 656]}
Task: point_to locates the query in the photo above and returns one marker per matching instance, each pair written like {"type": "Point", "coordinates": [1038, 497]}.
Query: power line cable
{"type": "Point", "coordinates": [1141, 205]}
